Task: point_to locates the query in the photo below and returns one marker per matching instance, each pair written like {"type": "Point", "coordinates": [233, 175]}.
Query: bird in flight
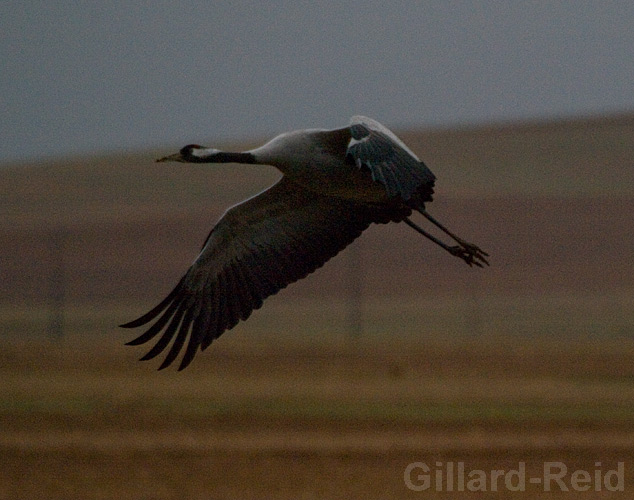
{"type": "Point", "coordinates": [334, 184]}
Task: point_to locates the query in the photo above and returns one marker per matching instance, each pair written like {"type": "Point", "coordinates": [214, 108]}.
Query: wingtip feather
{"type": "Point", "coordinates": [155, 311]}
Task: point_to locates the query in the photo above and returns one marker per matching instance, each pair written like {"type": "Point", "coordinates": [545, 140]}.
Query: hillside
{"type": "Point", "coordinates": [583, 157]}
{"type": "Point", "coordinates": [551, 203]}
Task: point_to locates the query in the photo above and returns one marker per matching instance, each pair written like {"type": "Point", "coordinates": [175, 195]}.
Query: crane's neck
{"type": "Point", "coordinates": [211, 155]}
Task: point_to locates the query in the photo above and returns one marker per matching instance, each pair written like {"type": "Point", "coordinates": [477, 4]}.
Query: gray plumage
{"type": "Point", "coordinates": [335, 184]}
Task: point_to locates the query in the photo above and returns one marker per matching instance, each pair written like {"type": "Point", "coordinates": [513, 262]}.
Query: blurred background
{"type": "Point", "coordinates": [525, 113]}
{"type": "Point", "coordinates": [507, 104]}
{"type": "Point", "coordinates": [91, 78]}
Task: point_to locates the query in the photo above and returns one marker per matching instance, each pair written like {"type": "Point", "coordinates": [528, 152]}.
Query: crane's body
{"type": "Point", "coordinates": [309, 158]}
{"type": "Point", "coordinates": [335, 183]}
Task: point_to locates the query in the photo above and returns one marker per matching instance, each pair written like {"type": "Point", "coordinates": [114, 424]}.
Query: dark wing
{"type": "Point", "coordinates": [389, 160]}
{"type": "Point", "coordinates": [257, 248]}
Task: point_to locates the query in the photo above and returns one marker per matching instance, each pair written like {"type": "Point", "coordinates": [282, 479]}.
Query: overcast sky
{"type": "Point", "coordinates": [92, 77]}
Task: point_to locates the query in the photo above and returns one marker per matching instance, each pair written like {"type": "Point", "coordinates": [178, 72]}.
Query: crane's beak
{"type": "Point", "coordinates": [174, 157]}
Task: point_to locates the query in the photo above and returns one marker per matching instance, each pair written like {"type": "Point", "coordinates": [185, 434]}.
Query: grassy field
{"type": "Point", "coordinates": [527, 362]}
{"type": "Point", "coordinates": [282, 418]}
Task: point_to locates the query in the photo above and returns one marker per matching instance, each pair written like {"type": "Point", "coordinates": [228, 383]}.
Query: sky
{"type": "Point", "coordinates": [84, 78]}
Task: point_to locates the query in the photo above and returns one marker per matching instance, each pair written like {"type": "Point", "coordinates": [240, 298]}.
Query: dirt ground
{"type": "Point", "coordinates": [321, 419]}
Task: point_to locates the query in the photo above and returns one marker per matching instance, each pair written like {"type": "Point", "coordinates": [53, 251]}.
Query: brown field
{"type": "Point", "coordinates": [526, 362]}
{"type": "Point", "coordinates": [308, 419]}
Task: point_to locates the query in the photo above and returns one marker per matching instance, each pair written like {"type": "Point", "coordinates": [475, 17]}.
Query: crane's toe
{"type": "Point", "coordinates": [477, 253]}
{"type": "Point", "coordinates": [471, 254]}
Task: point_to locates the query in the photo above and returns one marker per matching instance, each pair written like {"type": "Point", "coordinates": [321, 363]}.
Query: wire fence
{"type": "Point", "coordinates": [355, 313]}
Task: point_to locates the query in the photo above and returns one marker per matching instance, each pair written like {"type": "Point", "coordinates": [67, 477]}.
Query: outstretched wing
{"type": "Point", "coordinates": [389, 160]}
{"type": "Point", "coordinates": [257, 248]}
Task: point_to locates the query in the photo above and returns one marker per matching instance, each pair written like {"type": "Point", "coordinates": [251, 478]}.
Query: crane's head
{"type": "Point", "coordinates": [192, 153]}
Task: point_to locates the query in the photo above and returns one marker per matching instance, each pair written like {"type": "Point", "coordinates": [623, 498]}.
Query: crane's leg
{"type": "Point", "coordinates": [471, 254]}
{"type": "Point", "coordinates": [470, 247]}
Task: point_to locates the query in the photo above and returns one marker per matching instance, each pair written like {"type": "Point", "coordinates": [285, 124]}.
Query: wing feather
{"type": "Point", "coordinates": [150, 315]}
{"type": "Point", "coordinates": [167, 335]}
{"type": "Point", "coordinates": [389, 160]}
{"type": "Point", "coordinates": [257, 248]}
{"type": "Point", "coordinates": [199, 327]}
{"type": "Point", "coordinates": [179, 340]}
{"type": "Point", "coordinates": [160, 323]}
{"type": "Point", "coordinates": [214, 317]}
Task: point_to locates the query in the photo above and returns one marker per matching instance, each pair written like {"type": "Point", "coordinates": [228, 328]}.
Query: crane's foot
{"type": "Point", "coordinates": [471, 254]}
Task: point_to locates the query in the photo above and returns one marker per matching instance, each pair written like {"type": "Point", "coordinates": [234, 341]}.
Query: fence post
{"type": "Point", "coordinates": [56, 283]}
